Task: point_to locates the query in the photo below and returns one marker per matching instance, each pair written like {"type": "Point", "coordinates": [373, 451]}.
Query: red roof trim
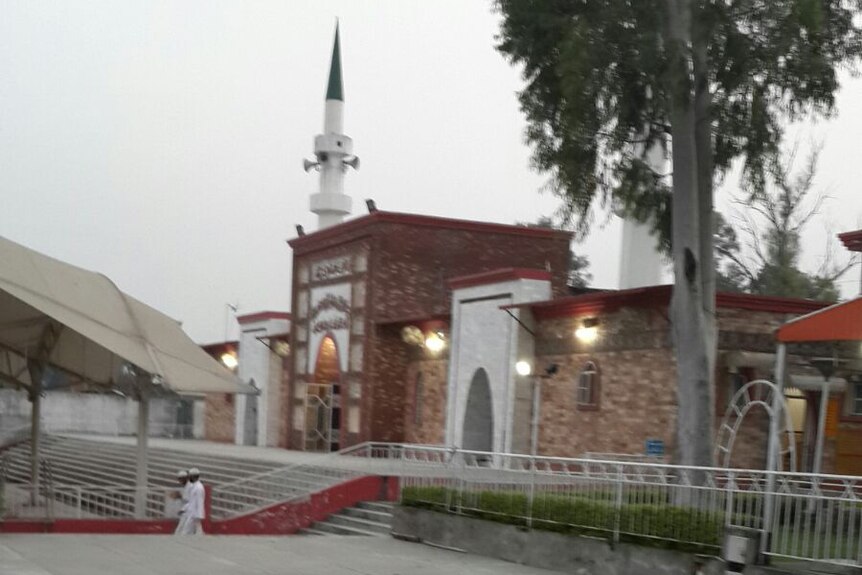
{"type": "Point", "coordinates": [659, 296]}
{"type": "Point", "coordinates": [497, 276]}
{"type": "Point", "coordinates": [262, 316]}
{"type": "Point", "coordinates": [852, 240]}
{"type": "Point", "coordinates": [768, 303]}
{"type": "Point", "coordinates": [602, 302]}
{"type": "Point", "coordinates": [426, 221]}
{"type": "Point", "coordinates": [414, 319]}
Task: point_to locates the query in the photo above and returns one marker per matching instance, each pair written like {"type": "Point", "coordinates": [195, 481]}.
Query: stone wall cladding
{"type": "Point", "coordinates": [637, 402]}
{"type": "Point", "coordinates": [355, 245]}
{"type": "Point", "coordinates": [637, 368]}
{"type": "Point", "coordinates": [429, 427]}
{"type": "Point", "coordinates": [388, 372]}
{"type": "Point", "coordinates": [219, 423]}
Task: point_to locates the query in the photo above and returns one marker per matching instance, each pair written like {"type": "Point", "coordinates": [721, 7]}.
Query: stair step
{"type": "Point", "coordinates": [343, 520]}
{"type": "Point", "coordinates": [369, 514]}
{"type": "Point", "coordinates": [332, 529]}
{"type": "Point", "coordinates": [312, 532]}
{"type": "Point", "coordinates": [383, 506]}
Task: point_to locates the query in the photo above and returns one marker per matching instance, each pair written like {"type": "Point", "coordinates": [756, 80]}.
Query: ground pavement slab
{"type": "Point", "coordinates": [237, 555]}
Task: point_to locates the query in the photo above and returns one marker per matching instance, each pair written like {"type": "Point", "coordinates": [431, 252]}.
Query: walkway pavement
{"type": "Point", "coordinates": [208, 555]}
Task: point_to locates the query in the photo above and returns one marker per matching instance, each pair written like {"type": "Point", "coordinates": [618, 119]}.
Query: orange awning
{"type": "Point", "coordinates": [840, 322]}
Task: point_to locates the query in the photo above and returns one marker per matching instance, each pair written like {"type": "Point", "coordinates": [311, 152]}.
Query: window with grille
{"type": "Point", "coordinates": [588, 386]}
{"type": "Point", "coordinates": [857, 398]}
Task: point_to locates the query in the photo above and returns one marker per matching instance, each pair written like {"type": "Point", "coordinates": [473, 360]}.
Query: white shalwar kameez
{"type": "Point", "coordinates": [196, 508]}
{"type": "Point", "coordinates": [184, 524]}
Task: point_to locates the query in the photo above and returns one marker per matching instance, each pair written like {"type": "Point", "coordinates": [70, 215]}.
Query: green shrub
{"type": "Point", "coordinates": [667, 526]}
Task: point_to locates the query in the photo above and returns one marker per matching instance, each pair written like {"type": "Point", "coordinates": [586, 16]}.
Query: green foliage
{"type": "Point", "coordinates": [597, 88]}
{"type": "Point", "coordinates": [578, 276]}
{"type": "Point", "coordinates": [661, 525]}
{"type": "Point", "coordinates": [773, 221]}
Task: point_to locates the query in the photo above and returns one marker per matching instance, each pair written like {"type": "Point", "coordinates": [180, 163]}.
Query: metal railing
{"type": "Point", "coordinates": [796, 515]}
{"type": "Point", "coordinates": [84, 502]}
{"type": "Point", "coordinates": [283, 485]}
{"type": "Point", "coordinates": [13, 435]}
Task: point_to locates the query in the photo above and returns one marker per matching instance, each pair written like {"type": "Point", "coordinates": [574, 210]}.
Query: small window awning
{"type": "Point", "coordinates": [840, 322]}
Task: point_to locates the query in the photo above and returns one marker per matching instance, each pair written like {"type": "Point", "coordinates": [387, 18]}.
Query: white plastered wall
{"type": "Point", "coordinates": [254, 363]}
{"type": "Point", "coordinates": [485, 336]}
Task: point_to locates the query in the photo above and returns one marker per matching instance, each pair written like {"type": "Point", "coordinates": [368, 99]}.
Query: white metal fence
{"type": "Point", "coordinates": [795, 515]}
{"type": "Point", "coordinates": [84, 502]}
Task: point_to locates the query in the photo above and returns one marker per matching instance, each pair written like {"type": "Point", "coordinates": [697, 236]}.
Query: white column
{"type": "Point", "coordinates": [773, 445]}
{"type": "Point", "coordinates": [821, 426]}
{"type": "Point", "coordinates": [141, 479]}
{"type": "Point", "coordinates": [35, 420]}
{"type": "Point", "coordinates": [537, 406]}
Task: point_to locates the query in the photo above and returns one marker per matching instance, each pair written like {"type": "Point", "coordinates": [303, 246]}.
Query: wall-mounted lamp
{"type": "Point", "coordinates": [229, 360]}
{"type": "Point", "coordinates": [435, 342]}
{"type": "Point", "coordinates": [281, 348]}
{"type": "Point", "coordinates": [523, 368]}
{"type": "Point", "coordinates": [588, 331]}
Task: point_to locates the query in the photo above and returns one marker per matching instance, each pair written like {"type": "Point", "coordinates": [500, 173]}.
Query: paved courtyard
{"type": "Point", "coordinates": [166, 555]}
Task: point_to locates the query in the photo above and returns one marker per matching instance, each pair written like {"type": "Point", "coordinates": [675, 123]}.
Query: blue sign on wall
{"type": "Point", "coordinates": [655, 447]}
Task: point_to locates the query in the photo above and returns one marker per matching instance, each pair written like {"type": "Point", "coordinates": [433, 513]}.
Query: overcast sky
{"type": "Point", "coordinates": [161, 143]}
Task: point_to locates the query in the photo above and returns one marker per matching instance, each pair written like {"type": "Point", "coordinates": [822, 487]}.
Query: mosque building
{"type": "Point", "coordinates": [419, 329]}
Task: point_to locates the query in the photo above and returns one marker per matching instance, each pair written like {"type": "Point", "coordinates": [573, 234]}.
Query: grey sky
{"type": "Point", "coordinates": [161, 142]}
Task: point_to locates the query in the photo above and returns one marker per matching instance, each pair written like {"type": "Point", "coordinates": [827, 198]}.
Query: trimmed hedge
{"type": "Point", "coordinates": [645, 524]}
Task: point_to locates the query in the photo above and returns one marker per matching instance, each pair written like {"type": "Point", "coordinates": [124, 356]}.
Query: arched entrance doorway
{"type": "Point", "coordinates": [479, 415]}
{"type": "Point", "coordinates": [323, 401]}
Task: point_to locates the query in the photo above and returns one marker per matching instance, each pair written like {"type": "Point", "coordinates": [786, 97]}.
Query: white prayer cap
{"type": "Point", "coordinates": [181, 474]}
{"type": "Point", "coordinates": [194, 471]}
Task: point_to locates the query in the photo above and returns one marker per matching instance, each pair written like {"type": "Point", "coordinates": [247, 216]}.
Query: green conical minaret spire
{"type": "Point", "coordinates": [335, 89]}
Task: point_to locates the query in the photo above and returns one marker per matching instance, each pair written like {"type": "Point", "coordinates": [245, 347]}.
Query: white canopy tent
{"type": "Point", "coordinates": [61, 323]}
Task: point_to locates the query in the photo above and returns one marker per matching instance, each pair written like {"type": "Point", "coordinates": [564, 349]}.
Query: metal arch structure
{"type": "Point", "coordinates": [761, 393]}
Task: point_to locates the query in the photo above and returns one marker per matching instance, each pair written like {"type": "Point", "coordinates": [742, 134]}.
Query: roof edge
{"type": "Point", "coordinates": [425, 221]}
{"type": "Point", "coordinates": [497, 276]}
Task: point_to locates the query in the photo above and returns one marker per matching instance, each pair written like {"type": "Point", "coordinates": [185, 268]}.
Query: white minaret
{"type": "Point", "coordinates": [640, 262]}
{"type": "Point", "coordinates": [334, 151]}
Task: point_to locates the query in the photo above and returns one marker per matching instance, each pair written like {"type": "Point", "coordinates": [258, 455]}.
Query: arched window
{"type": "Point", "coordinates": [588, 387]}
{"type": "Point", "coordinates": [420, 392]}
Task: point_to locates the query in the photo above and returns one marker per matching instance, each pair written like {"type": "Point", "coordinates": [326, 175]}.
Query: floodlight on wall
{"type": "Point", "coordinates": [588, 330]}
{"type": "Point", "coordinates": [281, 348]}
{"type": "Point", "coordinates": [412, 335]}
{"type": "Point", "coordinates": [229, 360]}
{"type": "Point", "coordinates": [523, 368]}
{"type": "Point", "coordinates": [435, 342]}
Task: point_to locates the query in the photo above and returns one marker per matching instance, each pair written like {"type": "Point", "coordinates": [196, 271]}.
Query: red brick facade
{"type": "Point", "coordinates": [637, 374]}
{"type": "Point", "coordinates": [405, 263]}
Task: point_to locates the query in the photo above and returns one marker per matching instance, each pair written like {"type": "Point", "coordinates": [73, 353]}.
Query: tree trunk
{"type": "Point", "coordinates": [703, 141]}
{"type": "Point", "coordinates": [694, 434]}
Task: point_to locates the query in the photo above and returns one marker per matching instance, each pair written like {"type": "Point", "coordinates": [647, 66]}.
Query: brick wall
{"type": "Point", "coordinates": [219, 417]}
{"type": "Point", "coordinates": [413, 265]}
{"type": "Point", "coordinates": [388, 383]}
{"type": "Point", "coordinates": [637, 401]}
{"type": "Point", "coordinates": [638, 383]}
{"type": "Point", "coordinates": [409, 260]}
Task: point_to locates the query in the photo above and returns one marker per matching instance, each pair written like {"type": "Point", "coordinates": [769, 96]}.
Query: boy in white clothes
{"type": "Point", "coordinates": [183, 495]}
{"type": "Point", "coordinates": [196, 506]}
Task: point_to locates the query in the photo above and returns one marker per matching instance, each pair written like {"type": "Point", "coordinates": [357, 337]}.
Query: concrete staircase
{"type": "Point", "coordinates": [368, 518]}
{"type": "Point", "coordinates": [238, 485]}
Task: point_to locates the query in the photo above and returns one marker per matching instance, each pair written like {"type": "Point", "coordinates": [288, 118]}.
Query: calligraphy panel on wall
{"type": "Point", "coordinates": [330, 315]}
